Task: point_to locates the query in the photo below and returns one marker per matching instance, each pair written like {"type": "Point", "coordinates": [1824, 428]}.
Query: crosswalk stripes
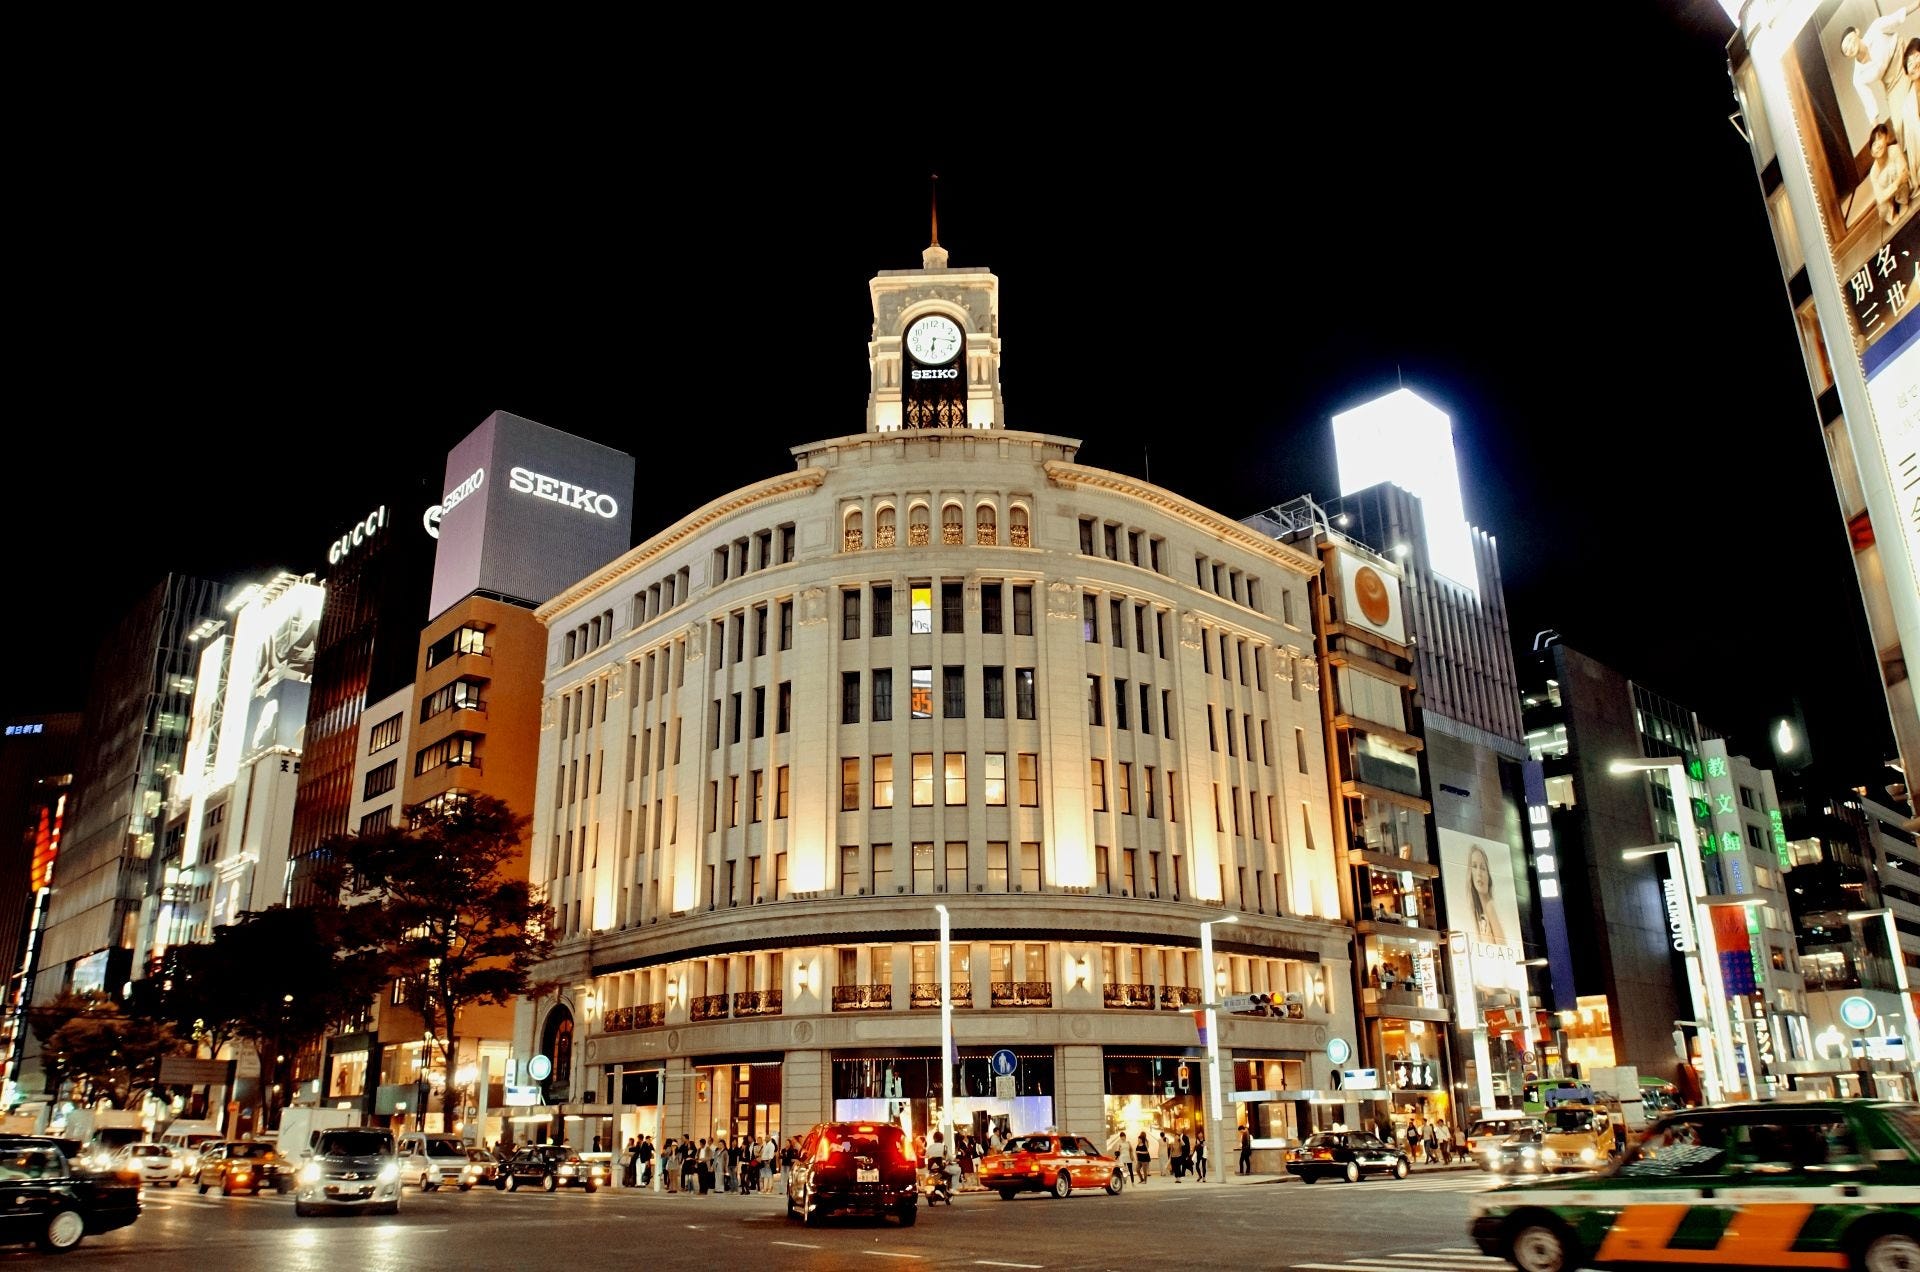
{"type": "Point", "coordinates": [1456, 1259]}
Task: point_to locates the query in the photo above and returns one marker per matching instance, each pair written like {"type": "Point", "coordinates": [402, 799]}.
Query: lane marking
{"type": "Point", "coordinates": [798, 1245]}
{"type": "Point", "coordinates": [891, 1254]}
{"type": "Point", "coordinates": [995, 1263]}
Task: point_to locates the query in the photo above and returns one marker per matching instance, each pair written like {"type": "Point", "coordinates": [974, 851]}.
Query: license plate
{"type": "Point", "coordinates": [868, 1176]}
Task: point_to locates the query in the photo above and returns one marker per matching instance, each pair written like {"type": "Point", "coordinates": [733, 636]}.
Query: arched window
{"type": "Point", "coordinates": [853, 538]}
{"type": "Point", "coordinates": [917, 527]}
{"type": "Point", "coordinates": [1017, 534]}
{"type": "Point", "coordinates": [986, 526]}
{"type": "Point", "coordinates": [883, 527]}
{"type": "Point", "coordinates": [952, 527]}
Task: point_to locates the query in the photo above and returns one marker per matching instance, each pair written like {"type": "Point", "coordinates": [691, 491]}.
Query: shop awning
{"type": "Point", "coordinates": [1351, 1095]}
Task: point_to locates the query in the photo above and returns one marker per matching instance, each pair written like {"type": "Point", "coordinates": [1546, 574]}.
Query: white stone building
{"type": "Point", "coordinates": [934, 665]}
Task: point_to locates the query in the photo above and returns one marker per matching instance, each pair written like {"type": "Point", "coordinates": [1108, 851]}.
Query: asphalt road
{"type": "Point", "coordinates": [1416, 1225]}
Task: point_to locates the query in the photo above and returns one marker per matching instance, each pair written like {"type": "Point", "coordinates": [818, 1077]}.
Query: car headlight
{"type": "Point", "coordinates": [1528, 1154]}
{"type": "Point", "coordinates": [599, 1170]}
{"type": "Point", "coordinates": [566, 1170]}
{"type": "Point", "coordinates": [1551, 1154]}
{"type": "Point", "coordinates": [310, 1174]}
{"type": "Point", "coordinates": [1588, 1155]}
{"type": "Point", "coordinates": [389, 1172]}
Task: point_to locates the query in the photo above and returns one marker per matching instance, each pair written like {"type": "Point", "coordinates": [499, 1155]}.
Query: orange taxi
{"type": "Point", "coordinates": [1050, 1162]}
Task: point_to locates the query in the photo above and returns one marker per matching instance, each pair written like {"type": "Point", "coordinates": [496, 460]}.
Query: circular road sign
{"type": "Point", "coordinates": [539, 1068]}
{"type": "Point", "coordinates": [1004, 1063]}
{"type": "Point", "coordinates": [1339, 1051]}
{"type": "Point", "coordinates": [1856, 1012]}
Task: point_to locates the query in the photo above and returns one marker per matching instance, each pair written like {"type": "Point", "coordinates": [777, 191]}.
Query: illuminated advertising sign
{"type": "Point", "coordinates": [1893, 387]}
{"type": "Point", "coordinates": [528, 511]}
{"type": "Point", "coordinates": [1404, 439]}
{"type": "Point", "coordinates": [362, 530]}
{"type": "Point", "coordinates": [268, 674]}
{"type": "Point", "coordinates": [1477, 875]}
{"type": "Point", "coordinates": [90, 973]}
{"type": "Point", "coordinates": [1370, 597]}
{"type": "Point", "coordinates": [46, 845]}
{"type": "Point", "coordinates": [23, 730]}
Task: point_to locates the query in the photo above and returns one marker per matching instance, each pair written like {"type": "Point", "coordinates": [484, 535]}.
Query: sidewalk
{"type": "Point", "coordinates": [1419, 1169]}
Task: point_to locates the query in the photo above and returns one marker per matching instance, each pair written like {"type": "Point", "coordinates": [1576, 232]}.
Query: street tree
{"type": "Point", "coordinates": [87, 1040]}
{"type": "Point", "coordinates": [448, 912]}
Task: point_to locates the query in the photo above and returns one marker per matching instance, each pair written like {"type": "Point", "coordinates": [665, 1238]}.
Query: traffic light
{"type": "Point", "coordinates": [1263, 1005]}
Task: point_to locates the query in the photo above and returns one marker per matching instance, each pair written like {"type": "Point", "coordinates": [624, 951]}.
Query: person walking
{"type": "Point", "coordinates": [1200, 1155]}
{"type": "Point", "coordinates": [1122, 1152]}
{"type": "Point", "coordinates": [1246, 1150]}
{"type": "Point", "coordinates": [1183, 1154]}
{"type": "Point", "coordinates": [1143, 1157]}
{"type": "Point", "coordinates": [1433, 1144]}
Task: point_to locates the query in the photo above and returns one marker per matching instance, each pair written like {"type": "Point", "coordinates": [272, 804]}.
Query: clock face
{"type": "Point", "coordinates": [933, 341]}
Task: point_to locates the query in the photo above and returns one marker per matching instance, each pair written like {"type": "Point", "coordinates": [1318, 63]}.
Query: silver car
{"type": "Point", "coordinates": [154, 1163]}
{"type": "Point", "coordinates": [350, 1168]}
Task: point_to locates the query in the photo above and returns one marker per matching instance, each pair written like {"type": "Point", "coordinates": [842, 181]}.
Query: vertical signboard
{"type": "Point", "coordinates": [1545, 856]}
{"type": "Point", "coordinates": [1477, 875]}
{"type": "Point", "coordinates": [1370, 597]}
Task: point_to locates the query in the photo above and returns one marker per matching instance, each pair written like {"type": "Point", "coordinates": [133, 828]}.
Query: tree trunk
{"type": "Point", "coordinates": [450, 1094]}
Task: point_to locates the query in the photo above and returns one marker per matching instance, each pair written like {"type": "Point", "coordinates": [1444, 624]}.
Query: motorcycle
{"type": "Point", "coordinates": [939, 1181]}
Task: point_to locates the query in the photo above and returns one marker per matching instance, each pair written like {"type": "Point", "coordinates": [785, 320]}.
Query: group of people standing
{"type": "Point", "coordinates": [746, 1165]}
{"type": "Point", "coordinates": [1432, 1141]}
{"type": "Point", "coordinates": [1160, 1151]}
{"type": "Point", "coordinates": [968, 1149]}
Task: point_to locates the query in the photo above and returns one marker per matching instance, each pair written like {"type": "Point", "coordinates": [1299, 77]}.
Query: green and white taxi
{"type": "Point", "coordinates": [1772, 1184]}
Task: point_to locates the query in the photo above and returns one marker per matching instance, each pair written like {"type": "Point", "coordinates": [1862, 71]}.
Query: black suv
{"type": "Point", "coordinates": [46, 1200]}
{"type": "Point", "coordinates": [551, 1166]}
{"type": "Point", "coordinates": [858, 1167]}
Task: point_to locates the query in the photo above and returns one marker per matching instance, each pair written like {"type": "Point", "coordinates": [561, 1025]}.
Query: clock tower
{"type": "Point", "coordinates": [935, 353]}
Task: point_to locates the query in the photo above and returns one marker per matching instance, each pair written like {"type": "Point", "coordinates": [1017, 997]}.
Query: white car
{"type": "Point", "coordinates": [154, 1163]}
{"type": "Point", "coordinates": [432, 1160]}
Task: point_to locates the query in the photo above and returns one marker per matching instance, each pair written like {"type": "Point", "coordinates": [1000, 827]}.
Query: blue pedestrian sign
{"type": "Point", "coordinates": [1004, 1063]}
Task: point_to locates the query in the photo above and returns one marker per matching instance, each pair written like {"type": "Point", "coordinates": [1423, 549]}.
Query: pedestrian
{"type": "Point", "coordinates": [769, 1158]}
{"type": "Point", "coordinates": [1446, 1144]}
{"type": "Point", "coordinates": [1122, 1153]}
{"type": "Point", "coordinates": [789, 1154]}
{"type": "Point", "coordinates": [1433, 1144]}
{"type": "Point", "coordinates": [630, 1163]}
{"type": "Point", "coordinates": [1181, 1155]}
{"type": "Point", "coordinates": [1200, 1154]}
{"type": "Point", "coordinates": [1246, 1150]}
{"type": "Point", "coordinates": [1143, 1157]}
{"type": "Point", "coordinates": [647, 1154]}
{"type": "Point", "coordinates": [700, 1155]}
{"type": "Point", "coordinates": [670, 1165]}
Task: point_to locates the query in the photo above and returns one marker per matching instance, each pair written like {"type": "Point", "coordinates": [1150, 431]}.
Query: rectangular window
{"type": "Point", "coordinates": [1119, 704]}
{"type": "Point", "coordinates": [1166, 713]}
{"type": "Point", "coordinates": [991, 603]}
{"type": "Point", "coordinates": [1146, 791]}
{"type": "Point", "coordinates": [733, 800]}
{"type": "Point", "coordinates": [922, 613]}
{"type": "Point", "coordinates": [783, 708]}
{"type": "Point", "coordinates": [1213, 730]}
{"type": "Point", "coordinates": [883, 781]}
{"type": "Point", "coordinates": [1030, 882]}
{"type": "Point", "coordinates": [1086, 536]}
{"type": "Point", "coordinates": [1233, 747]}
{"type": "Point", "coordinates": [993, 692]}
{"type": "Point", "coordinates": [1206, 651]}
{"type": "Point", "coordinates": [1103, 878]}
{"type": "Point", "coordinates": [956, 869]}
{"type": "Point", "coordinates": [1266, 752]}
{"type": "Point", "coordinates": [882, 882]}
{"type": "Point", "coordinates": [1111, 541]}
{"type": "Point", "coordinates": [882, 610]}
{"type": "Point", "coordinates": [1123, 786]}
{"type": "Point", "coordinates": [1219, 814]}
{"type": "Point", "coordinates": [759, 631]}
{"type": "Point", "coordinates": [1129, 871]}
{"type": "Point", "coordinates": [1023, 609]}
{"type": "Point", "coordinates": [920, 699]}
{"type": "Point", "coordinates": [759, 711]}
{"type": "Point", "coordinates": [849, 697]}
{"type": "Point", "coordinates": [1023, 706]}
{"type": "Point", "coordinates": [1153, 551]}
{"type": "Point", "coordinates": [739, 637]}
{"type": "Point", "coordinates": [997, 880]}
{"type": "Point", "coordinates": [849, 883]}
{"type": "Point", "coordinates": [384, 734]}
{"type": "Point", "coordinates": [951, 621]}
{"type": "Point", "coordinates": [1095, 709]}
{"type": "Point", "coordinates": [1160, 623]}
{"type": "Point", "coordinates": [461, 640]}
{"type": "Point", "coordinates": [850, 614]}
{"type": "Point", "coordinates": [1233, 799]}
{"type": "Point", "coordinates": [953, 693]}
{"type": "Point", "coordinates": [382, 779]}
{"type": "Point", "coordinates": [786, 624]}
{"type": "Point", "coordinates": [850, 784]}
{"type": "Point", "coordinates": [882, 694]}
{"type": "Point", "coordinates": [1089, 618]}
{"type": "Point", "coordinates": [1117, 622]}
{"type": "Point", "coordinates": [733, 730]}
{"type": "Point", "coordinates": [1133, 546]}
{"type": "Point", "coordinates": [1099, 785]}
{"type": "Point", "coordinates": [923, 780]}
{"type": "Point", "coordinates": [1140, 628]}
{"type": "Point", "coordinates": [956, 778]}
{"type": "Point", "coordinates": [1146, 708]}
{"type": "Point", "coordinates": [1300, 747]}
{"type": "Point", "coordinates": [996, 779]}
{"type": "Point", "coordinates": [719, 642]}
{"type": "Point", "coordinates": [1029, 780]}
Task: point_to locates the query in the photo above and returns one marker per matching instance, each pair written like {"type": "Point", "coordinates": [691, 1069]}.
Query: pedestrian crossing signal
{"type": "Point", "coordinates": [1263, 1004]}
{"type": "Point", "coordinates": [1183, 1077]}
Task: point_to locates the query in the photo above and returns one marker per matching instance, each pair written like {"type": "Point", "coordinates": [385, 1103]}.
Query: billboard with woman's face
{"type": "Point", "coordinates": [1476, 877]}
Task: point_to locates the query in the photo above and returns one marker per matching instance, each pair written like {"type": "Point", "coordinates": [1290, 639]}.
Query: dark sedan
{"type": "Point", "coordinates": [45, 1200]}
{"type": "Point", "coordinates": [551, 1166]}
{"type": "Point", "coordinates": [1347, 1155]}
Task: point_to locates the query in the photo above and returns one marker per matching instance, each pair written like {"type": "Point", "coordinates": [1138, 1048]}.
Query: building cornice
{"type": "Point", "coordinates": [803, 481]}
{"type": "Point", "coordinates": [1070, 476]}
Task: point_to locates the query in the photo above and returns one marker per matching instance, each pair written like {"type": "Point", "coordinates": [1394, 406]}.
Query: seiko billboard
{"type": "Point", "coordinates": [527, 511]}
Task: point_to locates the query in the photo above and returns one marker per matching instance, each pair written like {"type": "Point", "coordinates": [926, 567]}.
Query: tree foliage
{"type": "Point", "coordinates": [453, 915]}
{"type": "Point", "coordinates": [87, 1040]}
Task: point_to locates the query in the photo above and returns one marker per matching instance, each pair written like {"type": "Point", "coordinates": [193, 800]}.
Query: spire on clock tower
{"type": "Point", "coordinates": [935, 257]}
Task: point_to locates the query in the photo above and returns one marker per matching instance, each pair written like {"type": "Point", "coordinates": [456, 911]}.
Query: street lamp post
{"type": "Point", "coordinates": [1531, 1036]}
{"type": "Point", "coordinates": [1728, 1079]}
{"type": "Point", "coordinates": [946, 1027]}
{"type": "Point", "coordinates": [1213, 1043]}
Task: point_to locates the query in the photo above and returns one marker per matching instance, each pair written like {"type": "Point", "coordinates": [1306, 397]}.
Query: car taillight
{"type": "Point", "coordinates": [906, 1153]}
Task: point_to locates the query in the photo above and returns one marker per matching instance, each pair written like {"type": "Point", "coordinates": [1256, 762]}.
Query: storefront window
{"type": "Point", "coordinates": [349, 1074]}
{"type": "Point", "coordinates": [904, 1088]}
{"type": "Point", "coordinates": [1155, 1094]}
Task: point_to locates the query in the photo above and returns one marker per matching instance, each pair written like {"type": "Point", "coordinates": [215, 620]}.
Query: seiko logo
{"type": "Point", "coordinates": [936, 373]}
{"type": "Point", "coordinates": [432, 516]}
{"type": "Point", "coordinates": [375, 520]}
{"type": "Point", "coordinates": [561, 492]}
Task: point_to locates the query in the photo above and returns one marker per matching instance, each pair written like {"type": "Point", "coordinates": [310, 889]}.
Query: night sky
{"type": "Point", "coordinates": [251, 316]}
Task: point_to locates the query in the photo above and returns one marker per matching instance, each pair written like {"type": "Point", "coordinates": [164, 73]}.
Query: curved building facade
{"type": "Point", "coordinates": [936, 666]}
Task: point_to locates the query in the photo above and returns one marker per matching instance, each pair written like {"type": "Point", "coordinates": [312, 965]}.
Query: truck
{"type": "Point", "coordinates": [300, 1125]}
{"type": "Point", "coordinates": [101, 1131]}
{"type": "Point", "coordinates": [1622, 1082]}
